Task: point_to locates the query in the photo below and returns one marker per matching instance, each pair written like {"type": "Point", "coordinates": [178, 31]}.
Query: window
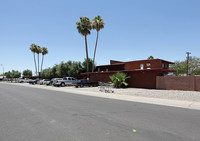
{"type": "Point", "coordinates": [163, 66]}
{"type": "Point", "coordinates": [148, 64]}
{"type": "Point", "coordinates": [141, 66]}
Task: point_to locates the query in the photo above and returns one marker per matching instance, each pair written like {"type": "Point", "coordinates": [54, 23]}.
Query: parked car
{"type": "Point", "coordinates": [33, 82]}
{"type": "Point", "coordinates": [43, 81]}
{"type": "Point", "coordinates": [85, 82]}
{"type": "Point", "coordinates": [25, 80]}
{"type": "Point", "coordinates": [49, 82]}
{"type": "Point", "coordinates": [66, 81]}
{"type": "Point", "coordinates": [54, 81]}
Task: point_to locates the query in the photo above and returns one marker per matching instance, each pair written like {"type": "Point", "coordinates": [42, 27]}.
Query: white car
{"type": "Point", "coordinates": [43, 81]}
{"type": "Point", "coordinates": [55, 81]}
{"type": "Point", "coordinates": [25, 80]}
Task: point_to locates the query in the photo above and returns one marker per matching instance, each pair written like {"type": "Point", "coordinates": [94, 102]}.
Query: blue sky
{"type": "Point", "coordinates": [134, 30]}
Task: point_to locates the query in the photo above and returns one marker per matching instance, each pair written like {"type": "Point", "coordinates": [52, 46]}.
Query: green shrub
{"type": "Point", "coordinates": [119, 79]}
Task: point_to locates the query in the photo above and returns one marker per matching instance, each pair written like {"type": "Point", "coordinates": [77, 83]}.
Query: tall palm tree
{"type": "Point", "coordinates": [84, 27]}
{"type": "Point", "coordinates": [33, 48]}
{"type": "Point", "coordinates": [97, 24]}
{"type": "Point", "coordinates": [38, 51]}
{"type": "Point", "coordinates": [44, 52]}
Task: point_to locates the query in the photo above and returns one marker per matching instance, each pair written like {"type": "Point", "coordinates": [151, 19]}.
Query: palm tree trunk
{"type": "Point", "coordinates": [95, 51]}
{"type": "Point", "coordinates": [86, 54]}
{"type": "Point", "coordinates": [38, 65]}
{"type": "Point", "coordinates": [42, 62]}
{"type": "Point", "coordinates": [35, 63]}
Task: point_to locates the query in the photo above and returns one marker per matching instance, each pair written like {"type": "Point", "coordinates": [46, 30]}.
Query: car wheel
{"type": "Point", "coordinates": [62, 84]}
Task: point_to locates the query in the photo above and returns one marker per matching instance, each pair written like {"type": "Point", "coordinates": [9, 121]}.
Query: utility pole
{"type": "Point", "coordinates": [188, 56]}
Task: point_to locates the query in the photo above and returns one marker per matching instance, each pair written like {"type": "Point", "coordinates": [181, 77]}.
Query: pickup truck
{"type": "Point", "coordinates": [85, 82]}
{"type": "Point", "coordinates": [65, 81]}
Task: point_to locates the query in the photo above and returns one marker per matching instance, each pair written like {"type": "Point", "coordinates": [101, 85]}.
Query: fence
{"type": "Point", "coordinates": [191, 83]}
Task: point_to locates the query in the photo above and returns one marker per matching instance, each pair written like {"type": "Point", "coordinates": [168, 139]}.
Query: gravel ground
{"type": "Point", "coordinates": [164, 94]}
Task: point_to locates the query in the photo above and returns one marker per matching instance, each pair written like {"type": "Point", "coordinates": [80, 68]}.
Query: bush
{"type": "Point", "coordinates": [119, 79]}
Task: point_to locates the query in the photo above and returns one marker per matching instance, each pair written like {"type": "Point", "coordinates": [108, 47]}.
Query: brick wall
{"type": "Point", "coordinates": [197, 82]}
{"type": "Point", "coordinates": [143, 79]}
{"type": "Point", "coordinates": [160, 83]}
{"type": "Point", "coordinates": [191, 83]}
{"type": "Point", "coordinates": [139, 79]}
{"type": "Point", "coordinates": [102, 77]}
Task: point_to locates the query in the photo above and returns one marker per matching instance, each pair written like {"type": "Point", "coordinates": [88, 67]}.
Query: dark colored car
{"type": "Point", "coordinates": [85, 82]}
{"type": "Point", "coordinates": [33, 82]}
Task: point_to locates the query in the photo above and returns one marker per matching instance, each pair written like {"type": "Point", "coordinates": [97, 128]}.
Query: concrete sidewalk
{"type": "Point", "coordinates": [189, 104]}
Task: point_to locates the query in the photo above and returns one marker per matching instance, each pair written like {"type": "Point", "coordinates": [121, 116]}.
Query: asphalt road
{"type": "Point", "coordinates": [30, 114]}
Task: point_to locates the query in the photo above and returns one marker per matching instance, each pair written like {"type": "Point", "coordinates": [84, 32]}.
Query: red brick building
{"type": "Point", "coordinates": [142, 72]}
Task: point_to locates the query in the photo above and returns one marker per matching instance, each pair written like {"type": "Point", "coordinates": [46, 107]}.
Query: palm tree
{"type": "Point", "coordinates": [84, 27]}
{"type": "Point", "coordinates": [97, 24]}
{"type": "Point", "coordinates": [33, 48]}
{"type": "Point", "coordinates": [38, 51]}
{"type": "Point", "coordinates": [44, 52]}
{"type": "Point", "coordinates": [119, 79]}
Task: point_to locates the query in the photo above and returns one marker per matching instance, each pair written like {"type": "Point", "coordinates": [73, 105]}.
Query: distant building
{"type": "Point", "coordinates": [142, 72]}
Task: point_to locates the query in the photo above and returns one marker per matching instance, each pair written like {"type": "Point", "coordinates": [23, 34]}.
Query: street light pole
{"type": "Point", "coordinates": [188, 56]}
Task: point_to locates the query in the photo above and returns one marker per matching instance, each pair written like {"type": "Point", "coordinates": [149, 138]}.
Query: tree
{"type": "Point", "coordinates": [13, 74]}
{"type": "Point", "coordinates": [118, 79]}
{"type": "Point", "coordinates": [194, 65]}
{"type": "Point", "coordinates": [44, 52]}
{"type": "Point", "coordinates": [47, 73]}
{"type": "Point", "coordinates": [8, 74]}
{"type": "Point", "coordinates": [181, 66]}
{"type": "Point", "coordinates": [27, 72]}
{"type": "Point", "coordinates": [62, 69]}
{"type": "Point", "coordinates": [70, 68]}
{"type": "Point", "coordinates": [38, 51]}
{"type": "Point", "coordinates": [97, 24]}
{"type": "Point", "coordinates": [150, 57]}
{"type": "Point", "coordinates": [90, 65]}
{"type": "Point", "coordinates": [33, 49]}
{"type": "Point", "coordinates": [54, 70]}
{"type": "Point", "coordinates": [75, 69]}
{"type": "Point", "coordinates": [84, 27]}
